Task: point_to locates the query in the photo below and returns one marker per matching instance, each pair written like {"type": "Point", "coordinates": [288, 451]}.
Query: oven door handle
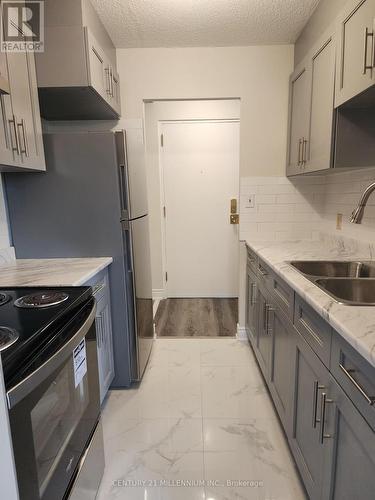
{"type": "Point", "coordinates": [31, 382]}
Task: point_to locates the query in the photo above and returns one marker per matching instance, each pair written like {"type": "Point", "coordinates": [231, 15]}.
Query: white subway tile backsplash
{"type": "Point", "coordinates": [299, 208]}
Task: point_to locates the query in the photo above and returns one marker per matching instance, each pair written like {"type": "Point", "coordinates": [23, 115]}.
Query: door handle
{"type": "Point", "coordinates": [234, 216]}
{"type": "Point", "coordinates": [304, 151]}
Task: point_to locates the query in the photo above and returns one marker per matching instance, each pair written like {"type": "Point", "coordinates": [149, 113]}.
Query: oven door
{"type": "Point", "coordinates": [54, 411]}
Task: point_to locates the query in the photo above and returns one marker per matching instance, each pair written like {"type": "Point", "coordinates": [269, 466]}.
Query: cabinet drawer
{"type": "Point", "coordinates": [252, 260]}
{"type": "Point", "coordinates": [355, 375]}
{"type": "Point", "coordinates": [281, 293]}
{"type": "Point", "coordinates": [314, 329]}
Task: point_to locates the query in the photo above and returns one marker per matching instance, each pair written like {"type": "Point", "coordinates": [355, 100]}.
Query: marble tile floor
{"type": "Point", "coordinates": [200, 426]}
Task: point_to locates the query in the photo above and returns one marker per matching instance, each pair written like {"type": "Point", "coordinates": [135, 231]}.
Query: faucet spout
{"type": "Point", "coordinates": [358, 212]}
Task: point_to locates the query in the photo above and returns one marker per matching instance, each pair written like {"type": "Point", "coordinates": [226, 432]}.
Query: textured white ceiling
{"type": "Point", "coordinates": [189, 23]}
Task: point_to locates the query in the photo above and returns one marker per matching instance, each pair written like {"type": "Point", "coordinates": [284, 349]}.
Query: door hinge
{"type": "Point", "coordinates": [166, 276]}
{"type": "Point", "coordinates": [162, 140]}
{"type": "Point", "coordinates": [165, 211]}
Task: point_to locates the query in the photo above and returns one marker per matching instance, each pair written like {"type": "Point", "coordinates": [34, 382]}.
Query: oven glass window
{"type": "Point", "coordinates": [55, 418]}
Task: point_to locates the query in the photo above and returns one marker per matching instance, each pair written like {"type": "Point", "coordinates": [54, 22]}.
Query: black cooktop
{"type": "Point", "coordinates": [31, 317]}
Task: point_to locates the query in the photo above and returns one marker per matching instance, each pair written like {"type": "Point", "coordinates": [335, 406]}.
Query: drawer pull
{"type": "Point", "coordinates": [269, 309]}
{"type": "Point", "coordinates": [348, 373]}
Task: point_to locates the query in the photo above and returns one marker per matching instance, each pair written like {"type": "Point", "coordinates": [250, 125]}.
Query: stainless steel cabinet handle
{"type": "Point", "coordinates": [317, 388]}
{"type": "Point", "coordinates": [299, 152]}
{"type": "Point", "coordinates": [262, 271]}
{"type": "Point", "coordinates": [99, 327]}
{"type": "Point", "coordinates": [270, 310]}
{"type": "Point", "coordinates": [304, 151]}
{"type": "Point", "coordinates": [253, 294]}
{"type": "Point", "coordinates": [12, 125]}
{"type": "Point", "coordinates": [112, 86]}
{"type": "Point", "coordinates": [368, 35]}
{"type": "Point", "coordinates": [323, 407]}
{"type": "Point", "coordinates": [25, 149]}
{"type": "Point", "coordinates": [108, 81]}
{"type": "Point", "coordinates": [97, 288]}
{"type": "Point", "coordinates": [369, 399]}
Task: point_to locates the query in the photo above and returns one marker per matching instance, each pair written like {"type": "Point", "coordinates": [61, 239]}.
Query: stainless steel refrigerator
{"type": "Point", "coordinates": [91, 202]}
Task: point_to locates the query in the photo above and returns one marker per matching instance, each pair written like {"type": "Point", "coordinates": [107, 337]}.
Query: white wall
{"type": "Point", "coordinates": [172, 110]}
{"type": "Point", "coordinates": [258, 75]}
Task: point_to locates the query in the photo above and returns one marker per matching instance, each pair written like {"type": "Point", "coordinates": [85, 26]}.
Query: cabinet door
{"type": "Point", "coordinates": [280, 380]}
{"type": "Point", "coordinates": [298, 119]}
{"type": "Point", "coordinates": [105, 345]}
{"type": "Point", "coordinates": [320, 140]}
{"type": "Point", "coordinates": [352, 447]}
{"type": "Point", "coordinates": [355, 69]}
{"type": "Point", "coordinates": [264, 339]}
{"type": "Point", "coordinates": [26, 131]}
{"type": "Point", "coordinates": [116, 92]}
{"type": "Point", "coordinates": [310, 380]}
{"type": "Point", "coordinates": [8, 153]}
{"type": "Point", "coordinates": [251, 306]}
{"type": "Point", "coordinates": [98, 68]}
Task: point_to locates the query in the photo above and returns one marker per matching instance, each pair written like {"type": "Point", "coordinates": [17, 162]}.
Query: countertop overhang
{"type": "Point", "coordinates": [51, 272]}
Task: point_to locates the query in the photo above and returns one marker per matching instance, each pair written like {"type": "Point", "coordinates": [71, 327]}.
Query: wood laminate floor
{"type": "Point", "coordinates": [197, 318]}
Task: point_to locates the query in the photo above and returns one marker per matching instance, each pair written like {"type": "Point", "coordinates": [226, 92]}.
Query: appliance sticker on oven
{"type": "Point", "coordinates": [79, 362]}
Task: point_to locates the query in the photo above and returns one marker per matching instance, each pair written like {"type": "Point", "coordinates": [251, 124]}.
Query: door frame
{"type": "Point", "coordinates": [162, 190]}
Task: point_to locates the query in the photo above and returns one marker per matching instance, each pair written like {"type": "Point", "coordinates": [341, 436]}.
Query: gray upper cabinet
{"type": "Point", "coordinates": [356, 64]}
{"type": "Point", "coordinates": [77, 76]}
{"type": "Point", "coordinates": [311, 110]}
{"type": "Point", "coordinates": [298, 119]}
{"type": "Point", "coordinates": [21, 143]}
{"type": "Point", "coordinates": [322, 91]}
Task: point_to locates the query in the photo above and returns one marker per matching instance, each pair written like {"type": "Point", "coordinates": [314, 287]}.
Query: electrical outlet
{"type": "Point", "coordinates": [339, 222]}
{"type": "Point", "coordinates": [251, 201]}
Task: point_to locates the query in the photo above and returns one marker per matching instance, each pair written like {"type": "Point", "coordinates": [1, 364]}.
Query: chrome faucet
{"type": "Point", "coordinates": [357, 214]}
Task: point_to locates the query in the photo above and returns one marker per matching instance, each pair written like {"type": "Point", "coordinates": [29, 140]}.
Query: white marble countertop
{"type": "Point", "coordinates": [356, 324]}
{"type": "Point", "coordinates": [51, 272]}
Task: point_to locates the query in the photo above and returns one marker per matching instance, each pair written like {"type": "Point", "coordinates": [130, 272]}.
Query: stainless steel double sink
{"type": "Point", "coordinates": [350, 283]}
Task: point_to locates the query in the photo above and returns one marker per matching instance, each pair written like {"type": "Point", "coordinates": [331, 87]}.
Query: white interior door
{"type": "Point", "coordinates": [200, 170]}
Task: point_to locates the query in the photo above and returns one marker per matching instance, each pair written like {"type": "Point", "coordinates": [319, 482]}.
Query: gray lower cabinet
{"type": "Point", "coordinates": [351, 470]}
{"type": "Point", "coordinates": [263, 338]}
{"type": "Point", "coordinates": [103, 322]}
{"type": "Point", "coordinates": [280, 372]}
{"type": "Point", "coordinates": [105, 345]}
{"type": "Point", "coordinates": [321, 387]}
{"type": "Point", "coordinates": [310, 378]}
{"type": "Point", "coordinates": [251, 305]}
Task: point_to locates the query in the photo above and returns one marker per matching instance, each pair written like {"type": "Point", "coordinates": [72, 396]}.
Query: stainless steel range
{"type": "Point", "coordinates": [49, 356]}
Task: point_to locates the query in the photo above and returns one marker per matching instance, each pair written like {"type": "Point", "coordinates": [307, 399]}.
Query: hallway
{"type": "Point", "coordinates": [201, 415]}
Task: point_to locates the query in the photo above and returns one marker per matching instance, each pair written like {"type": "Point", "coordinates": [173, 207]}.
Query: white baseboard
{"type": "Point", "coordinates": [158, 293]}
{"type": "Point", "coordinates": [241, 332]}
